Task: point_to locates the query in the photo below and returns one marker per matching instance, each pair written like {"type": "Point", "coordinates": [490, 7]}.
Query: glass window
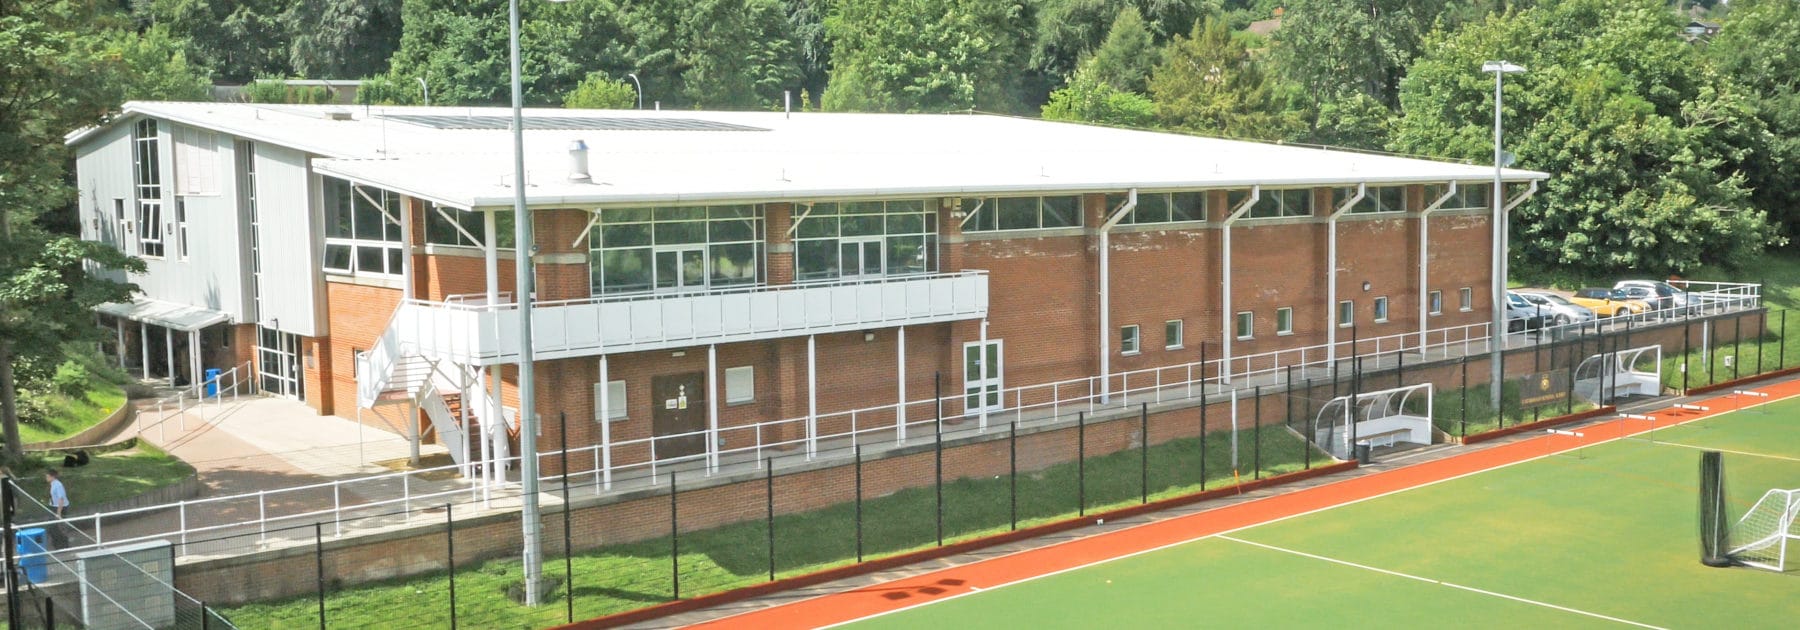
{"type": "Point", "coordinates": [1162, 207]}
{"type": "Point", "coordinates": [1172, 334]}
{"type": "Point", "coordinates": [679, 248]}
{"type": "Point", "coordinates": [1246, 324]}
{"type": "Point", "coordinates": [1437, 302]}
{"type": "Point", "coordinates": [1471, 196]}
{"type": "Point", "coordinates": [1381, 309]}
{"type": "Point", "coordinates": [1466, 297]}
{"type": "Point", "coordinates": [740, 384]}
{"type": "Point", "coordinates": [362, 230]}
{"type": "Point", "coordinates": [443, 231]}
{"type": "Point", "coordinates": [147, 181]}
{"type": "Point", "coordinates": [1128, 339]}
{"type": "Point", "coordinates": [615, 400]}
{"type": "Point", "coordinates": [1022, 213]}
{"type": "Point", "coordinates": [1284, 320]}
{"type": "Point", "coordinates": [866, 239]}
{"type": "Point", "coordinates": [1292, 202]}
{"type": "Point", "coordinates": [1346, 312]}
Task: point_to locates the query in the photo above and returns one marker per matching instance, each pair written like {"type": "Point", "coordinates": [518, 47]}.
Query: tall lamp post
{"type": "Point", "coordinates": [528, 421]}
{"type": "Point", "coordinates": [1497, 342]}
{"type": "Point", "coordinates": [640, 88]}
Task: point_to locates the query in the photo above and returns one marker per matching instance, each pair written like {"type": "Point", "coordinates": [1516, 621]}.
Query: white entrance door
{"type": "Point", "coordinates": [861, 257]}
{"type": "Point", "coordinates": [681, 269]}
{"type": "Point", "coordinates": [982, 372]}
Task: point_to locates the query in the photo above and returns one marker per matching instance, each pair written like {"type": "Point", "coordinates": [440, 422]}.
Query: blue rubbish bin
{"type": "Point", "coordinates": [212, 382]}
{"type": "Point", "coordinates": [32, 541]}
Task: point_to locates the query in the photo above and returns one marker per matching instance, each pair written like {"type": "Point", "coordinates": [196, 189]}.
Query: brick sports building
{"type": "Point", "coordinates": [725, 285]}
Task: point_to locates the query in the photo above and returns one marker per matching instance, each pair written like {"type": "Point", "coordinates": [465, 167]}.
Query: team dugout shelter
{"type": "Point", "coordinates": [720, 285]}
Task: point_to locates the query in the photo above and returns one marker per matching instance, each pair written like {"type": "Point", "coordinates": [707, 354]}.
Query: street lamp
{"type": "Point", "coordinates": [640, 88]}
{"type": "Point", "coordinates": [522, 282]}
{"type": "Point", "coordinates": [1497, 341]}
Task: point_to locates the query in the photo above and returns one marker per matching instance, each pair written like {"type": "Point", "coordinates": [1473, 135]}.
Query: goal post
{"type": "Point", "coordinates": [1760, 539]}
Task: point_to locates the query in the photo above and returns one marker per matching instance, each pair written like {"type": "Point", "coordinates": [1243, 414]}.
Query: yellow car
{"type": "Point", "coordinates": [1608, 302]}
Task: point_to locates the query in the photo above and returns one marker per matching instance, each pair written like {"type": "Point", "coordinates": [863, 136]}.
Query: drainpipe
{"type": "Point", "coordinates": [1425, 262]}
{"type": "Point", "coordinates": [1106, 227]}
{"type": "Point", "coordinates": [1225, 316]}
{"type": "Point", "coordinates": [1331, 272]}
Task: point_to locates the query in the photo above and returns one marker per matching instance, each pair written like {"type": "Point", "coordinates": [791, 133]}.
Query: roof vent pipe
{"type": "Point", "coordinates": [578, 162]}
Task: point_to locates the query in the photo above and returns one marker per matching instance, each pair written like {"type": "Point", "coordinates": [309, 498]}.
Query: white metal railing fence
{"type": "Point", "coordinates": [754, 444]}
{"type": "Point", "coordinates": [234, 383]}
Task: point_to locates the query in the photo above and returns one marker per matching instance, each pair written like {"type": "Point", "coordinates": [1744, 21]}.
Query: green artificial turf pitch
{"type": "Point", "coordinates": [1610, 530]}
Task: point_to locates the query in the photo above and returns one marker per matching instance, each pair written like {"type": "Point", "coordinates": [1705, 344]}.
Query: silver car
{"type": "Point", "coordinates": [1558, 310]}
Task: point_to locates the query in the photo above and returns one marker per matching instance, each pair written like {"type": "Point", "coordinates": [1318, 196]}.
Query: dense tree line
{"type": "Point", "coordinates": [1665, 152]}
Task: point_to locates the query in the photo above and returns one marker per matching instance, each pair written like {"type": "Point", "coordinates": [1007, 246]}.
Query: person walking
{"type": "Point", "coordinates": [59, 496]}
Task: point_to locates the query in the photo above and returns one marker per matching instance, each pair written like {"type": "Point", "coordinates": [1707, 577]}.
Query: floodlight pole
{"type": "Point", "coordinates": [528, 424]}
{"type": "Point", "coordinates": [1497, 336]}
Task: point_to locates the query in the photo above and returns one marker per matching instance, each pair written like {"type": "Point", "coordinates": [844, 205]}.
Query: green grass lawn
{"type": "Point", "coordinates": [74, 414]}
{"type": "Point", "coordinates": [617, 578]}
{"type": "Point", "coordinates": [1610, 530]}
{"type": "Point", "coordinates": [110, 476]}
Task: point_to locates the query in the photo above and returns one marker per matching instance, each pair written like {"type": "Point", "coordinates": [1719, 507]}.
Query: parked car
{"type": "Point", "coordinates": [1558, 309]}
{"type": "Point", "coordinates": [1660, 295]}
{"type": "Point", "coordinates": [1521, 315]}
{"type": "Point", "coordinates": [1608, 302]}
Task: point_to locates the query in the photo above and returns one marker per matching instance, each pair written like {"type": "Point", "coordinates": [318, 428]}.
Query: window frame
{"type": "Point", "coordinates": [1465, 299]}
{"type": "Point", "coordinates": [902, 223]}
{"type": "Point", "coordinates": [390, 209]}
{"type": "Point", "coordinates": [616, 400]}
{"type": "Point", "coordinates": [1381, 309]}
{"type": "Point", "coordinates": [1244, 325]}
{"type": "Point", "coordinates": [1436, 297]}
{"type": "Point", "coordinates": [1346, 313]}
{"type": "Point", "coordinates": [1130, 340]}
{"type": "Point", "coordinates": [1284, 321]}
{"type": "Point", "coordinates": [740, 372]}
{"type": "Point", "coordinates": [1174, 342]}
{"type": "Point", "coordinates": [1280, 199]}
{"type": "Point", "coordinates": [655, 230]}
{"type": "Point", "coordinates": [1150, 211]}
{"type": "Point", "coordinates": [146, 158]}
{"type": "Point", "coordinates": [986, 214]}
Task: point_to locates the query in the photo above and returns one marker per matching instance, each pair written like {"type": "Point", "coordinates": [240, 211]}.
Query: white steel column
{"type": "Point", "coordinates": [900, 382]}
{"type": "Point", "coordinates": [1331, 274]}
{"type": "Point", "coordinates": [812, 397]}
{"type": "Point", "coordinates": [605, 425]}
{"type": "Point", "coordinates": [1106, 227]}
{"type": "Point", "coordinates": [981, 363]}
{"type": "Point", "coordinates": [1226, 317]}
{"type": "Point", "coordinates": [144, 348]}
{"type": "Point", "coordinates": [406, 245]}
{"type": "Point", "coordinates": [712, 408]}
{"type": "Point", "coordinates": [194, 363]}
{"type": "Point", "coordinates": [119, 323]}
{"type": "Point", "coordinates": [493, 414]}
{"type": "Point", "coordinates": [1425, 263]}
{"type": "Point", "coordinates": [169, 351]}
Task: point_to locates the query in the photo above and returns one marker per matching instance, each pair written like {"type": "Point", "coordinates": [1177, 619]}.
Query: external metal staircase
{"type": "Point", "coordinates": [398, 372]}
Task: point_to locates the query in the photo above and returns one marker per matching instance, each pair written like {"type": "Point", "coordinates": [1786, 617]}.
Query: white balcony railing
{"type": "Point", "coordinates": [482, 334]}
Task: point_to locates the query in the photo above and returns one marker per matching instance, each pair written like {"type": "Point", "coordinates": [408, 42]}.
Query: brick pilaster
{"type": "Point", "coordinates": [777, 218]}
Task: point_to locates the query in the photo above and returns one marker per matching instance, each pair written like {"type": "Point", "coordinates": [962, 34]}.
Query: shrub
{"type": "Point", "coordinates": [71, 379]}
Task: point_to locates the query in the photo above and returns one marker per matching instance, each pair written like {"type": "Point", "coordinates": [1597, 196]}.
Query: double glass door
{"type": "Point", "coordinates": [681, 268]}
{"type": "Point", "coordinates": [982, 376]}
{"type": "Point", "coordinates": [861, 257]}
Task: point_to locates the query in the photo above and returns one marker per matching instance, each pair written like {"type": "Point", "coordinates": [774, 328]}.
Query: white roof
{"type": "Point", "coordinates": [181, 317]}
{"type": "Point", "coordinates": [683, 157]}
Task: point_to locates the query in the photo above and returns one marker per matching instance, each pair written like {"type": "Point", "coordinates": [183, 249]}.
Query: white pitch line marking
{"type": "Point", "coordinates": [1726, 450]}
{"type": "Point", "coordinates": [1427, 580]}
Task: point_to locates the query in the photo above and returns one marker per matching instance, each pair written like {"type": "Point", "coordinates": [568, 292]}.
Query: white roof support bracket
{"type": "Point", "coordinates": [1529, 191]}
{"type": "Point", "coordinates": [593, 220]}
{"type": "Point", "coordinates": [795, 224]}
{"type": "Point", "coordinates": [1118, 214]}
{"type": "Point", "coordinates": [1362, 190]}
{"type": "Point", "coordinates": [1441, 200]}
{"type": "Point", "coordinates": [979, 202]}
{"type": "Point", "coordinates": [1243, 207]}
{"type": "Point", "coordinates": [378, 205]}
{"type": "Point", "coordinates": [440, 211]}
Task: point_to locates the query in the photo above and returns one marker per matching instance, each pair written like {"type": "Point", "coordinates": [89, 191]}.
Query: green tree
{"type": "Point", "coordinates": [736, 53]}
{"type": "Point", "coordinates": [1644, 145]}
{"type": "Point", "coordinates": [599, 91]}
{"type": "Point", "coordinates": [341, 39]}
{"type": "Point", "coordinates": [1758, 48]}
{"type": "Point", "coordinates": [1087, 99]}
{"type": "Point", "coordinates": [1124, 60]}
{"type": "Point", "coordinates": [1069, 30]}
{"type": "Point", "coordinates": [925, 55]}
{"type": "Point", "coordinates": [235, 40]}
{"type": "Point", "coordinates": [1208, 82]}
{"type": "Point", "coordinates": [68, 63]}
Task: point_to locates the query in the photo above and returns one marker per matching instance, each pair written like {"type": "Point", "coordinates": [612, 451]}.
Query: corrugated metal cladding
{"type": "Point", "coordinates": [568, 123]}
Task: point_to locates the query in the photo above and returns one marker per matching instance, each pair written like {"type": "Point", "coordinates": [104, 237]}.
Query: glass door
{"type": "Point", "coordinates": [681, 269]}
{"type": "Point", "coordinates": [861, 257]}
{"type": "Point", "coordinates": [982, 376]}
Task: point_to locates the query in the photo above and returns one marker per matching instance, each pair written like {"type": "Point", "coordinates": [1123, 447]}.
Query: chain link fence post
{"type": "Point", "coordinates": [1256, 433]}
{"type": "Point", "coordinates": [1081, 463]}
{"type": "Point", "coordinates": [450, 558]}
{"type": "Point", "coordinates": [769, 518]}
{"type": "Point", "coordinates": [319, 565]}
{"type": "Point", "coordinates": [1144, 452]}
{"type": "Point", "coordinates": [674, 538]}
{"type": "Point", "coordinates": [856, 451]}
{"type": "Point", "coordinates": [1012, 473]}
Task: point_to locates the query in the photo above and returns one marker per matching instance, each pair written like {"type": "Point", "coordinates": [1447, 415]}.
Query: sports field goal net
{"type": "Point", "coordinates": [1378, 418]}
{"type": "Point", "coordinates": [1760, 538]}
{"type": "Point", "coordinates": [1604, 377]}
